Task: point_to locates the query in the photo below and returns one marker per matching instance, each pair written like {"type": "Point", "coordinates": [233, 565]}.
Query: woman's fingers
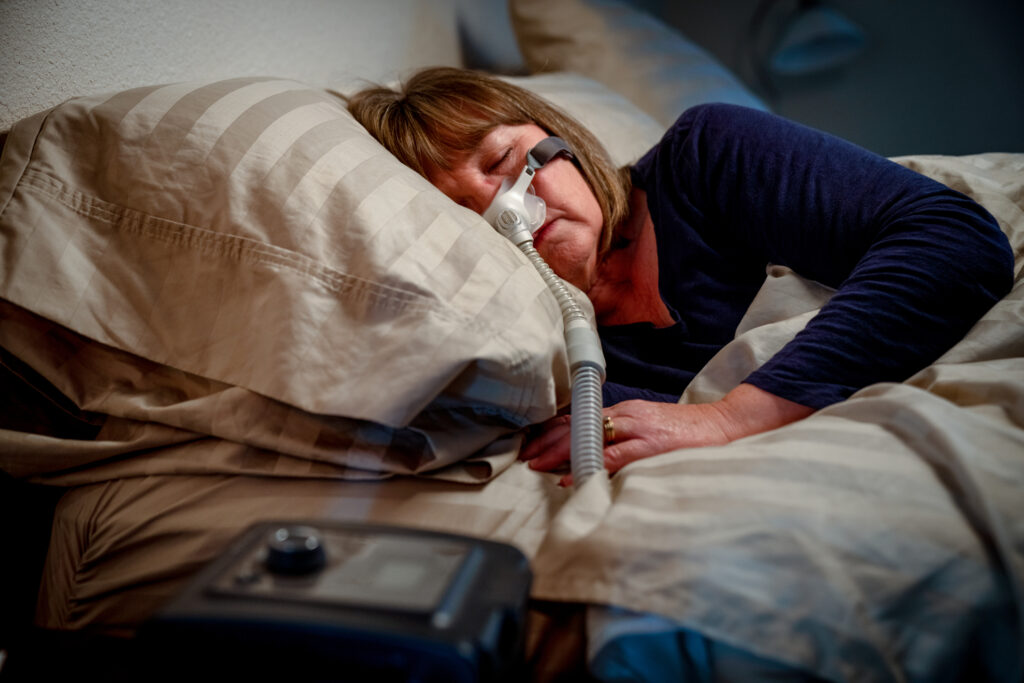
{"type": "Point", "coordinates": [550, 448]}
{"type": "Point", "coordinates": [545, 449]}
{"type": "Point", "coordinates": [552, 459]}
{"type": "Point", "coordinates": [553, 452]}
{"type": "Point", "coordinates": [641, 429]}
{"type": "Point", "coordinates": [618, 455]}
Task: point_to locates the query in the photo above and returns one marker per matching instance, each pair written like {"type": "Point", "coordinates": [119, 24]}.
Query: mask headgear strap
{"type": "Point", "coordinates": [546, 150]}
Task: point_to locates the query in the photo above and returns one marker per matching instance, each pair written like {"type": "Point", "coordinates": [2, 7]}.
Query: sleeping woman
{"type": "Point", "coordinates": [672, 251]}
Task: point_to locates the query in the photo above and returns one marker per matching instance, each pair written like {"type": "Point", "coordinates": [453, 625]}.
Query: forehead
{"type": "Point", "coordinates": [525, 135]}
{"type": "Point", "coordinates": [519, 137]}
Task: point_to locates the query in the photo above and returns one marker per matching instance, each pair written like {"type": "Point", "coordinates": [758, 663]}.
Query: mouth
{"type": "Point", "coordinates": [542, 231]}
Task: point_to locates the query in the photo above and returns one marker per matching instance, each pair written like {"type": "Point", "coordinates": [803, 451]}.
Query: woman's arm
{"type": "Point", "coordinates": [646, 428]}
{"type": "Point", "coordinates": [915, 264]}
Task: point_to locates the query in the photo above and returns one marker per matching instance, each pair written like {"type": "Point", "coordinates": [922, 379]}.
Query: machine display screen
{"type": "Point", "coordinates": [407, 573]}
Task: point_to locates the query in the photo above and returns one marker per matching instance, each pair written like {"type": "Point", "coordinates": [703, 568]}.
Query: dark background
{"type": "Point", "coordinates": [935, 76]}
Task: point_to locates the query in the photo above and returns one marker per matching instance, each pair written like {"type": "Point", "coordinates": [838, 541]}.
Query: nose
{"type": "Point", "coordinates": [478, 192]}
{"type": "Point", "coordinates": [468, 187]}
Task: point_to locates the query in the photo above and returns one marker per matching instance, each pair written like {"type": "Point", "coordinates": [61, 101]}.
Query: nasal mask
{"type": "Point", "coordinates": [516, 212]}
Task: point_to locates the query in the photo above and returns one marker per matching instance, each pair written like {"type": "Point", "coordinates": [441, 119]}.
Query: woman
{"type": "Point", "coordinates": [672, 251]}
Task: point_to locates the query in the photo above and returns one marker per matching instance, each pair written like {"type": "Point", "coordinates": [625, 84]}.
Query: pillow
{"type": "Point", "coordinates": [654, 66]}
{"type": "Point", "coordinates": [486, 38]}
{"type": "Point", "coordinates": [249, 235]}
{"type": "Point", "coordinates": [624, 130]}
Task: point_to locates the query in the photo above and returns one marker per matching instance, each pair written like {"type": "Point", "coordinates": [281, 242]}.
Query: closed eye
{"type": "Point", "coordinates": [496, 166]}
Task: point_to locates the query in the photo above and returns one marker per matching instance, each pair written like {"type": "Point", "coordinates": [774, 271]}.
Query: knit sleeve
{"type": "Point", "coordinates": [914, 263]}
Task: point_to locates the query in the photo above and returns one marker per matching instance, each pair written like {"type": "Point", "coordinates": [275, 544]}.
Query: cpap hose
{"type": "Point", "coordinates": [511, 217]}
{"type": "Point", "coordinates": [587, 368]}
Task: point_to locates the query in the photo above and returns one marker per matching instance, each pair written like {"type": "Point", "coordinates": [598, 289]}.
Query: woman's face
{"type": "Point", "coordinates": [569, 238]}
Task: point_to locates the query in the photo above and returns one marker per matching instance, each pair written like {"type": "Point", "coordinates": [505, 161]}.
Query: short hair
{"type": "Point", "coordinates": [441, 113]}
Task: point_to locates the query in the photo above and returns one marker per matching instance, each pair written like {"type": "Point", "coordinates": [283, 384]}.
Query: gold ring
{"type": "Point", "coordinates": [609, 430]}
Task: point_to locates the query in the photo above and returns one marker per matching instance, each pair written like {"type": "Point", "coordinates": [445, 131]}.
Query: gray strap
{"type": "Point", "coordinates": [546, 150]}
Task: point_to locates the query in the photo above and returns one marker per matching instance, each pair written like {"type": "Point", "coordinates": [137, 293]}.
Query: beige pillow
{"type": "Point", "coordinates": [624, 130]}
{"type": "Point", "coordinates": [657, 68]}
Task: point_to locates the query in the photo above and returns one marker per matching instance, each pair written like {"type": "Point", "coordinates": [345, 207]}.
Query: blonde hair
{"type": "Point", "coordinates": [442, 113]}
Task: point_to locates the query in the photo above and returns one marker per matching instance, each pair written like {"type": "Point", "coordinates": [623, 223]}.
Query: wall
{"type": "Point", "coordinates": [937, 76]}
{"type": "Point", "coordinates": [51, 50]}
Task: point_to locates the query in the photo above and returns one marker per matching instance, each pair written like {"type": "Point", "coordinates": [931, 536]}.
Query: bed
{"type": "Point", "coordinates": [233, 305]}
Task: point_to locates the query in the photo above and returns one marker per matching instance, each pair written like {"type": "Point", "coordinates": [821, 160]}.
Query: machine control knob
{"type": "Point", "coordinates": [295, 550]}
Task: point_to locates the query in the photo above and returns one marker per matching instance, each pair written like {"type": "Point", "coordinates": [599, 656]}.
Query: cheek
{"type": "Point", "coordinates": [591, 221]}
{"type": "Point", "coordinates": [573, 249]}
{"type": "Point", "coordinates": [568, 190]}
{"type": "Point", "coordinates": [573, 256]}
{"type": "Point", "coordinates": [588, 206]}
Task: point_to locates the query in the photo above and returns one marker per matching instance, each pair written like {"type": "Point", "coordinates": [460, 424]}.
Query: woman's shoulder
{"type": "Point", "coordinates": [702, 132]}
{"type": "Point", "coordinates": [712, 124]}
{"type": "Point", "coordinates": [722, 116]}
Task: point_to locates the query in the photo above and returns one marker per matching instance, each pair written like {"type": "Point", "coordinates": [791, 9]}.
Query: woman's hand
{"type": "Point", "coordinates": [646, 428]}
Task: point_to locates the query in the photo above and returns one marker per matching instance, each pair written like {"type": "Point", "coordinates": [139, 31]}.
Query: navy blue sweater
{"type": "Point", "coordinates": [730, 190]}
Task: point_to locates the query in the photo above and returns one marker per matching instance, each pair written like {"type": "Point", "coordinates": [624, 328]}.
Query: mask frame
{"type": "Point", "coordinates": [516, 211]}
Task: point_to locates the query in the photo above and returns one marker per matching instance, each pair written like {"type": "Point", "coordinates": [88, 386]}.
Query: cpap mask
{"type": "Point", "coordinates": [516, 211]}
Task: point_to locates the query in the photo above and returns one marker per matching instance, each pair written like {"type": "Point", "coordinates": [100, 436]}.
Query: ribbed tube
{"type": "Point", "coordinates": [587, 429]}
{"type": "Point", "coordinates": [566, 302]}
